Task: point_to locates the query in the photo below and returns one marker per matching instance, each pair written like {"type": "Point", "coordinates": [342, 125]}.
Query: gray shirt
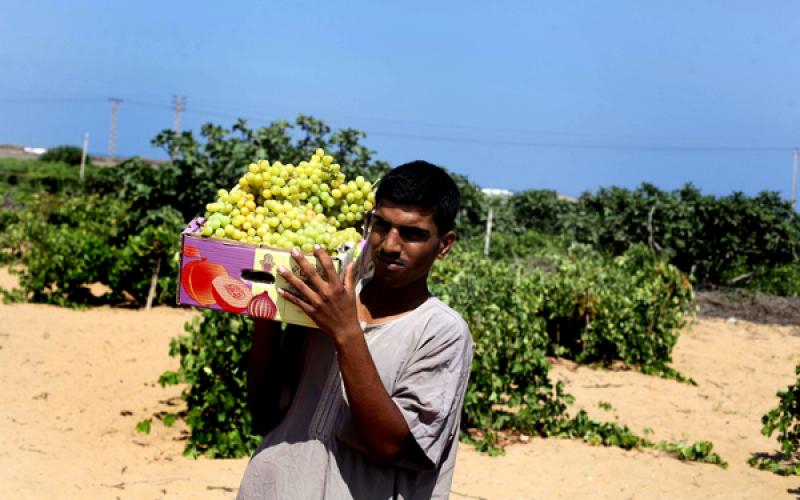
{"type": "Point", "coordinates": [423, 359]}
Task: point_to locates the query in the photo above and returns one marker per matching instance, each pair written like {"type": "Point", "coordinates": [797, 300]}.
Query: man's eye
{"type": "Point", "coordinates": [380, 225]}
{"type": "Point", "coordinates": [412, 234]}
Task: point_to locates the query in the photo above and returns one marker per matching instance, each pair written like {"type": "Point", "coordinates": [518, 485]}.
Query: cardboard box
{"type": "Point", "coordinates": [241, 278]}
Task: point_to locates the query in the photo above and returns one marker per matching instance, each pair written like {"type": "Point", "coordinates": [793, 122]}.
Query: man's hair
{"type": "Point", "coordinates": [424, 185]}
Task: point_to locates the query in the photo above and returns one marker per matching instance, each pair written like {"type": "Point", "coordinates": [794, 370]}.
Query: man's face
{"type": "Point", "coordinates": [405, 242]}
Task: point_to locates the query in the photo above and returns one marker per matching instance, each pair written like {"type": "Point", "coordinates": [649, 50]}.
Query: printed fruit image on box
{"type": "Point", "coordinates": [242, 278]}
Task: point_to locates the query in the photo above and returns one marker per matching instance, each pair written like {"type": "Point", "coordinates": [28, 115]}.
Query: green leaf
{"type": "Point", "coordinates": [144, 426]}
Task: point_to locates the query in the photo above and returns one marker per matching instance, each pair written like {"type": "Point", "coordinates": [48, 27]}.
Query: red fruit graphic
{"type": "Point", "coordinates": [196, 278]}
{"type": "Point", "coordinates": [261, 306]}
{"type": "Point", "coordinates": [191, 251]}
{"type": "Point", "coordinates": [231, 294]}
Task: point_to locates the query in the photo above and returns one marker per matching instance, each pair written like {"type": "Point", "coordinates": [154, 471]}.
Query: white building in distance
{"type": "Point", "coordinates": [497, 192]}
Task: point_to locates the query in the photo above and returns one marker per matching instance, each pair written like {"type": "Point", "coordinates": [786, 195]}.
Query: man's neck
{"type": "Point", "coordinates": [379, 304]}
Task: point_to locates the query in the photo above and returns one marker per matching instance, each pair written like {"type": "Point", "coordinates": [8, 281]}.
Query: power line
{"type": "Point", "coordinates": [560, 145]}
{"type": "Point", "coordinates": [566, 145]}
{"type": "Point", "coordinates": [181, 107]}
{"type": "Point", "coordinates": [49, 99]}
{"type": "Point", "coordinates": [504, 130]}
{"type": "Point", "coordinates": [146, 104]}
{"type": "Point", "coordinates": [224, 114]}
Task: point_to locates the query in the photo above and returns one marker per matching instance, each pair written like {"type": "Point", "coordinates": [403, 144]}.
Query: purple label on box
{"type": "Point", "coordinates": [206, 260]}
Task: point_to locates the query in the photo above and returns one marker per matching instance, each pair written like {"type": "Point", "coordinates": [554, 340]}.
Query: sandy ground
{"type": "Point", "coordinates": [73, 385]}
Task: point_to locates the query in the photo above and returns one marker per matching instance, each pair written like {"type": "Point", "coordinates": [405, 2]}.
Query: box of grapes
{"type": "Point", "coordinates": [230, 257]}
{"type": "Point", "coordinates": [228, 275]}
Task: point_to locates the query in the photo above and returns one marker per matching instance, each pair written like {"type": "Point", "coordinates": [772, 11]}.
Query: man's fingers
{"type": "Point", "coordinates": [302, 288]}
{"type": "Point", "coordinates": [327, 265]}
{"type": "Point", "coordinates": [350, 277]}
{"type": "Point", "coordinates": [294, 299]}
{"type": "Point", "coordinates": [310, 272]}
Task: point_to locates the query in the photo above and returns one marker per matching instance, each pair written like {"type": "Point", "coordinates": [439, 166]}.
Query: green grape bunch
{"type": "Point", "coordinates": [291, 206]}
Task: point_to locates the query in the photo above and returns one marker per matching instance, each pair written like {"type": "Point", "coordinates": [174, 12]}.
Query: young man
{"type": "Point", "coordinates": [376, 392]}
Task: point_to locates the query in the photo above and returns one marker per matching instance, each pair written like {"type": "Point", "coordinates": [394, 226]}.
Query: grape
{"type": "Point", "coordinates": [286, 205]}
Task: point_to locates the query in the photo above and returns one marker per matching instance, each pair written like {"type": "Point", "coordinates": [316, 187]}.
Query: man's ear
{"type": "Point", "coordinates": [446, 244]}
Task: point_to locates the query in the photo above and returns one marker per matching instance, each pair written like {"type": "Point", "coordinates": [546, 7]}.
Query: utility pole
{"type": "Point", "coordinates": [179, 105]}
{"type": "Point", "coordinates": [795, 153]}
{"type": "Point", "coordinates": [112, 136]}
{"type": "Point", "coordinates": [85, 152]}
{"type": "Point", "coordinates": [488, 232]}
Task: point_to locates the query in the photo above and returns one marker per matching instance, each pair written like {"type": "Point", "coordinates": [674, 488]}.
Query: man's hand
{"type": "Point", "coordinates": [330, 303]}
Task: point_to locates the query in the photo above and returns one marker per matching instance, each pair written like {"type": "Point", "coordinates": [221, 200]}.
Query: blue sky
{"type": "Point", "coordinates": [569, 96]}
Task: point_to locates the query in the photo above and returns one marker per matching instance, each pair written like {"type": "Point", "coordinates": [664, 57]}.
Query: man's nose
{"type": "Point", "coordinates": [392, 243]}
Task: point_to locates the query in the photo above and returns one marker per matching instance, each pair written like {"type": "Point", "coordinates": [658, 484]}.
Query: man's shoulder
{"type": "Point", "coordinates": [443, 319]}
{"type": "Point", "coordinates": [444, 312]}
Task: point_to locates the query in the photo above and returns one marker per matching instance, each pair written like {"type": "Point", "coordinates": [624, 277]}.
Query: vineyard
{"type": "Point", "coordinates": [603, 284]}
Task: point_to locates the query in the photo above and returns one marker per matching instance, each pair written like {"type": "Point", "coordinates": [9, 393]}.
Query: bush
{"type": "Point", "coordinates": [152, 247]}
{"type": "Point", "coordinates": [67, 243]}
{"type": "Point", "coordinates": [71, 155]}
{"type": "Point", "coordinates": [729, 240]}
{"type": "Point", "coordinates": [529, 247]}
{"type": "Point", "coordinates": [213, 356]}
{"type": "Point", "coordinates": [29, 176]}
{"type": "Point", "coordinates": [598, 308]}
{"type": "Point", "coordinates": [540, 210]}
{"type": "Point", "coordinates": [471, 219]}
{"type": "Point", "coordinates": [628, 308]}
{"type": "Point", "coordinates": [503, 306]}
{"type": "Point", "coordinates": [779, 280]}
{"type": "Point", "coordinates": [785, 420]}
{"type": "Point", "coordinates": [63, 244]}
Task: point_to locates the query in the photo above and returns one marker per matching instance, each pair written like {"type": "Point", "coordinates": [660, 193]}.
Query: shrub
{"type": "Point", "coordinates": [502, 305]}
{"type": "Point", "coordinates": [21, 176]}
{"type": "Point", "coordinates": [729, 240]}
{"type": "Point", "coordinates": [152, 247]}
{"type": "Point", "coordinates": [71, 155]}
{"type": "Point", "coordinates": [66, 243]}
{"type": "Point", "coordinates": [779, 280]}
{"type": "Point", "coordinates": [529, 247]}
{"type": "Point", "coordinates": [213, 364]}
{"type": "Point", "coordinates": [785, 420]}
{"type": "Point", "coordinates": [598, 308]}
{"type": "Point", "coordinates": [628, 308]}
{"type": "Point", "coordinates": [63, 244]}
{"type": "Point", "coordinates": [540, 210]}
